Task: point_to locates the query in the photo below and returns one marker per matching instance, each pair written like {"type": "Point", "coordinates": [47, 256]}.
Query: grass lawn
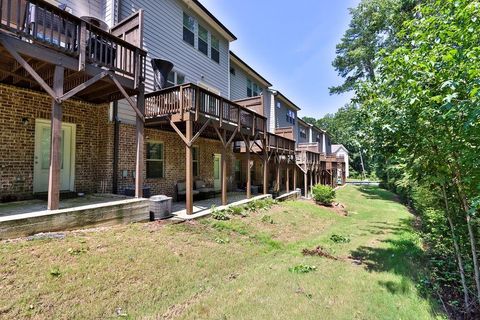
{"type": "Point", "coordinates": [235, 269]}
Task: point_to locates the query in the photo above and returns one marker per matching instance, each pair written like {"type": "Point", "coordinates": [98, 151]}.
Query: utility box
{"type": "Point", "coordinates": [160, 207]}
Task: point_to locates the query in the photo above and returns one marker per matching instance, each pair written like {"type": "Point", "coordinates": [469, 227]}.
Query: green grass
{"type": "Point", "coordinates": [235, 269]}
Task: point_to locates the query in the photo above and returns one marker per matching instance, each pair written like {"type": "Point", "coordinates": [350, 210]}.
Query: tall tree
{"type": "Point", "coordinates": [373, 27]}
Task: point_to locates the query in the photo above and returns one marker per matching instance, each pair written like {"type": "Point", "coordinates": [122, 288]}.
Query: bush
{"type": "Point", "coordinates": [323, 194]}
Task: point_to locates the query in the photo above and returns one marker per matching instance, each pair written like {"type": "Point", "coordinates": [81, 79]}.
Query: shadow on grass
{"type": "Point", "coordinates": [372, 192]}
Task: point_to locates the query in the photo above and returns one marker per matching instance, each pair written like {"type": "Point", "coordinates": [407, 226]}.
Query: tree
{"type": "Point", "coordinates": [373, 27]}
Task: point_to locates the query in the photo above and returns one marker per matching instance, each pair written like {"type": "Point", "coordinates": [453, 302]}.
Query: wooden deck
{"type": "Point", "coordinates": [37, 36]}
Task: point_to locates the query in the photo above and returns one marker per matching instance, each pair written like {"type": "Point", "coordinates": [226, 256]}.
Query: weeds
{"type": "Point", "coordinates": [302, 268]}
{"type": "Point", "coordinates": [336, 238]}
{"type": "Point", "coordinates": [219, 214]}
{"type": "Point", "coordinates": [267, 219]}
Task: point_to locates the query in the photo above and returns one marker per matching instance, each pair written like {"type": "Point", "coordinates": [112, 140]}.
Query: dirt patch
{"type": "Point", "coordinates": [318, 251]}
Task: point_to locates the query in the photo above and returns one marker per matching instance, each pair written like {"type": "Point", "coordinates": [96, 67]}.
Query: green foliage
{"type": "Point", "coordinates": [419, 112]}
{"type": "Point", "coordinates": [323, 194]}
{"type": "Point", "coordinates": [55, 272]}
{"type": "Point", "coordinates": [302, 268]}
{"type": "Point", "coordinates": [337, 238]}
{"type": "Point", "coordinates": [219, 214]}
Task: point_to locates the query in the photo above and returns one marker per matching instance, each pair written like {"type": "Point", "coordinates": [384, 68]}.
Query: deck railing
{"type": "Point", "coordinates": [308, 157]}
{"type": "Point", "coordinates": [190, 98]}
{"type": "Point", "coordinates": [43, 23]}
{"type": "Point", "coordinates": [281, 143]}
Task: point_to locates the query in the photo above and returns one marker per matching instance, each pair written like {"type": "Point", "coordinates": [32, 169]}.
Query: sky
{"type": "Point", "coordinates": [291, 44]}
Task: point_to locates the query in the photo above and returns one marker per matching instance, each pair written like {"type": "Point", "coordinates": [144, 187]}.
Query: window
{"type": "Point", "coordinates": [303, 133]}
{"type": "Point", "coordinates": [215, 49]}
{"type": "Point", "coordinates": [232, 71]}
{"type": "Point", "coordinates": [249, 88]}
{"type": "Point", "coordinates": [253, 89]}
{"type": "Point", "coordinates": [195, 160]}
{"type": "Point", "coordinates": [202, 40]}
{"type": "Point", "coordinates": [206, 42]}
{"type": "Point", "coordinates": [290, 116]}
{"type": "Point", "coordinates": [188, 29]}
{"type": "Point", "coordinates": [279, 105]}
{"type": "Point", "coordinates": [175, 78]}
{"type": "Point", "coordinates": [155, 160]}
{"type": "Point", "coordinates": [318, 138]}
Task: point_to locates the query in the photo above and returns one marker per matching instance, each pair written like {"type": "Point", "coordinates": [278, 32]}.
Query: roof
{"type": "Point", "coordinates": [337, 147]}
{"type": "Point", "coordinates": [236, 59]}
{"type": "Point", "coordinates": [306, 124]}
{"type": "Point", "coordinates": [293, 105]}
{"type": "Point", "coordinates": [200, 9]}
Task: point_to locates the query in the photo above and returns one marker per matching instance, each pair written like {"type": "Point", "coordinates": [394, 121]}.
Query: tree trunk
{"type": "Point", "coordinates": [457, 252]}
{"type": "Point", "coordinates": [471, 234]}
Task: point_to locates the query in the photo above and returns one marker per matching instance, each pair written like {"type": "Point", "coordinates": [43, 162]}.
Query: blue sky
{"type": "Point", "coordinates": [292, 44]}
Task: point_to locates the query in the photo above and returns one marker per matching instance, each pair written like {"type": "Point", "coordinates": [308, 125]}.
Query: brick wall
{"type": "Point", "coordinates": [94, 140]}
{"type": "Point", "coordinates": [174, 150]}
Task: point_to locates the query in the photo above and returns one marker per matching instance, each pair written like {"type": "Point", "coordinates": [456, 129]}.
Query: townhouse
{"type": "Point", "coordinates": [159, 105]}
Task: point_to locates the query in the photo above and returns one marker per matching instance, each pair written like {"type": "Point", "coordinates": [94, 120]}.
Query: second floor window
{"type": "Point", "coordinates": [188, 29]}
{"type": "Point", "coordinates": [215, 49]}
{"type": "Point", "coordinates": [202, 40]}
{"type": "Point", "coordinates": [303, 133]}
{"type": "Point", "coordinates": [175, 78]}
{"type": "Point", "coordinates": [290, 117]}
{"type": "Point", "coordinates": [253, 89]}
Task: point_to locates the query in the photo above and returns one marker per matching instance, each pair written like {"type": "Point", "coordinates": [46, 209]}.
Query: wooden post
{"type": "Point", "coordinates": [55, 142]}
{"type": "Point", "coordinates": [249, 175]}
{"type": "Point", "coordinates": [224, 170]}
{"type": "Point", "coordinates": [140, 125]}
{"type": "Point", "coordinates": [294, 177]}
{"type": "Point", "coordinates": [311, 180]}
{"type": "Point", "coordinates": [305, 183]}
{"type": "Point", "coordinates": [277, 171]}
{"type": "Point", "coordinates": [188, 168]}
{"type": "Point", "coordinates": [287, 183]}
{"type": "Point", "coordinates": [265, 166]}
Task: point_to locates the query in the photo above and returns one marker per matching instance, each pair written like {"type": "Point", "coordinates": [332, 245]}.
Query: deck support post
{"type": "Point", "coordinates": [311, 180]}
{"type": "Point", "coordinates": [305, 183]}
{"type": "Point", "coordinates": [140, 130]}
{"type": "Point", "coordinates": [287, 178]}
{"type": "Point", "coordinates": [188, 167]}
{"type": "Point", "coordinates": [224, 170]}
{"type": "Point", "coordinates": [55, 142]}
{"type": "Point", "coordinates": [277, 173]}
{"type": "Point", "coordinates": [265, 167]}
{"type": "Point", "coordinates": [249, 174]}
{"type": "Point", "coordinates": [294, 177]}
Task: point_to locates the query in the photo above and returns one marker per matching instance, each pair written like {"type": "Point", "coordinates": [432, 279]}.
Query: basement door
{"type": "Point", "coordinates": [41, 165]}
{"type": "Point", "coordinates": [217, 171]}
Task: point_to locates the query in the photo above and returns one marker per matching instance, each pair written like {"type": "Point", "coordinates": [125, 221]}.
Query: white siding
{"type": "Point", "coordinates": [163, 38]}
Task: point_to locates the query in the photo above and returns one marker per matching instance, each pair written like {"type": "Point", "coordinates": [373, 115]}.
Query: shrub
{"type": "Point", "coordinates": [339, 238]}
{"type": "Point", "coordinates": [323, 194]}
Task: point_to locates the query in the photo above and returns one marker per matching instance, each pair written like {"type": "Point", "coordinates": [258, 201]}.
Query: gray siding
{"type": "Point", "coordinates": [281, 115]}
{"type": "Point", "coordinates": [163, 38]}
{"type": "Point", "coordinates": [300, 139]}
{"type": "Point", "coordinates": [238, 83]}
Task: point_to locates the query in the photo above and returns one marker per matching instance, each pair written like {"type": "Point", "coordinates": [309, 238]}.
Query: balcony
{"type": "Point", "coordinates": [36, 36]}
{"type": "Point", "coordinates": [191, 102]}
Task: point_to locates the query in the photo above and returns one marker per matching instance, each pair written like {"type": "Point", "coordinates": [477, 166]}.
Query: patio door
{"type": "Point", "coordinates": [41, 165]}
{"type": "Point", "coordinates": [217, 171]}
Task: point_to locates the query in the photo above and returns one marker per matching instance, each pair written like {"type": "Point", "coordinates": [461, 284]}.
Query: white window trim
{"type": "Point", "coordinates": [157, 160]}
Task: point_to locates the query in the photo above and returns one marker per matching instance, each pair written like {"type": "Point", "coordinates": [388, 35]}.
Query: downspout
{"type": "Point", "coordinates": [116, 147]}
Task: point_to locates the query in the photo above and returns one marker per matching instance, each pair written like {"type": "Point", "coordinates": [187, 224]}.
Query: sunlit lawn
{"type": "Point", "coordinates": [236, 269]}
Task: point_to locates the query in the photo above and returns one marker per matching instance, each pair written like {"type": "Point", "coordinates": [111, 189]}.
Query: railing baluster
{"type": "Point", "coordinates": [9, 12]}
